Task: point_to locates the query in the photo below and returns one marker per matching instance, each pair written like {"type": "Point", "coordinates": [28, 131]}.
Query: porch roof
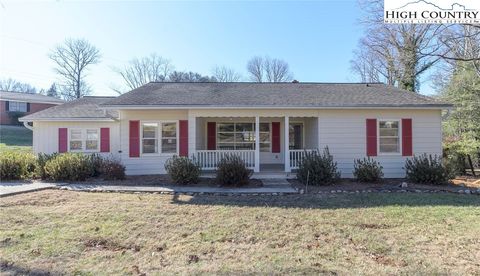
{"type": "Point", "coordinates": [272, 95]}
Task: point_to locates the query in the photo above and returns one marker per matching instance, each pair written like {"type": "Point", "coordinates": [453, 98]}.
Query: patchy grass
{"type": "Point", "coordinates": [96, 233]}
{"type": "Point", "coordinates": [15, 138]}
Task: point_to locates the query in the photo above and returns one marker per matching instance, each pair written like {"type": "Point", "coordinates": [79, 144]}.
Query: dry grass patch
{"type": "Point", "coordinates": [102, 233]}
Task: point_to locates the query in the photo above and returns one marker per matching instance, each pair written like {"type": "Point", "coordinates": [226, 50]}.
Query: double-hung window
{"type": "Point", "coordinates": [159, 137]}
{"type": "Point", "coordinates": [389, 138]}
{"type": "Point", "coordinates": [17, 106]}
{"type": "Point", "coordinates": [84, 140]}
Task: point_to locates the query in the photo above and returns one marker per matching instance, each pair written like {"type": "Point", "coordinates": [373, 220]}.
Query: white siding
{"type": "Point", "coordinates": [45, 134]}
{"type": "Point", "coordinates": [145, 164]}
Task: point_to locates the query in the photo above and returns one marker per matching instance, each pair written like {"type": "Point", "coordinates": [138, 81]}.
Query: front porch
{"type": "Point", "coordinates": [277, 149]}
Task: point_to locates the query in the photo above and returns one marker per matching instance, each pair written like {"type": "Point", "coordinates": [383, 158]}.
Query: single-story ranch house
{"type": "Point", "coordinates": [270, 125]}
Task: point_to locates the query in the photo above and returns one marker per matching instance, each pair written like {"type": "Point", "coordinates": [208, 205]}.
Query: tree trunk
{"type": "Point", "coordinates": [471, 164]}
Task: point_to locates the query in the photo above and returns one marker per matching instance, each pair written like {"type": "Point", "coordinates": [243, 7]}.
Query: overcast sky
{"type": "Point", "coordinates": [315, 38]}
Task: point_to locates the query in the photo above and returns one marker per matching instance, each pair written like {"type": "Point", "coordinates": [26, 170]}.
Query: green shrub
{"type": "Point", "coordinates": [112, 169]}
{"type": "Point", "coordinates": [16, 165]}
{"type": "Point", "coordinates": [183, 170]}
{"type": "Point", "coordinates": [232, 171]}
{"type": "Point", "coordinates": [318, 168]}
{"type": "Point", "coordinates": [427, 169]}
{"type": "Point", "coordinates": [367, 170]}
{"type": "Point", "coordinates": [42, 159]}
{"type": "Point", "coordinates": [69, 167]}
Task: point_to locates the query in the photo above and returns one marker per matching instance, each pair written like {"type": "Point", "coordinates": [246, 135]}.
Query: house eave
{"type": "Point", "coordinates": [168, 107]}
{"type": "Point", "coordinates": [66, 119]}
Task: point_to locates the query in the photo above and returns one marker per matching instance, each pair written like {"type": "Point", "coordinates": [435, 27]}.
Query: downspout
{"type": "Point", "coordinates": [25, 123]}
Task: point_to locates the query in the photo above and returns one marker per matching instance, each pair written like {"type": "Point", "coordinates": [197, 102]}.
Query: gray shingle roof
{"type": "Point", "coordinates": [273, 95]}
{"type": "Point", "coordinates": [27, 97]}
{"type": "Point", "coordinates": [85, 108]}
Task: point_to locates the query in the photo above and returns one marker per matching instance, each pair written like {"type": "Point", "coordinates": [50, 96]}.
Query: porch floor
{"type": "Point", "coordinates": [272, 167]}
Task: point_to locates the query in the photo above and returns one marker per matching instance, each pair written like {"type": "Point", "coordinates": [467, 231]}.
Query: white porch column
{"type": "Point", "coordinates": [192, 133]}
{"type": "Point", "coordinates": [286, 129]}
{"type": "Point", "coordinates": [257, 144]}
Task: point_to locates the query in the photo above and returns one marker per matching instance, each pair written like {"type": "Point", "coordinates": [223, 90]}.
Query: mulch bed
{"type": "Point", "coordinates": [164, 180]}
{"type": "Point", "coordinates": [459, 183]}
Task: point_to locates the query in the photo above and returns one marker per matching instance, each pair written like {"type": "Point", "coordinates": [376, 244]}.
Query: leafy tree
{"type": "Point", "coordinates": [178, 76]}
{"type": "Point", "coordinates": [462, 126]}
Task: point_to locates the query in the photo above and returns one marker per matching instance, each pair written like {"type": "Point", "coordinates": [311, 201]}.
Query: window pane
{"type": "Point", "coordinates": [75, 134]}
{"type": "Point", "coordinates": [265, 147]}
{"type": "Point", "coordinates": [389, 148]}
{"type": "Point", "coordinates": [389, 145]}
{"type": "Point", "coordinates": [244, 127]}
{"type": "Point", "coordinates": [264, 137]}
{"type": "Point", "coordinates": [244, 146]}
{"type": "Point", "coordinates": [149, 146]}
{"type": "Point", "coordinates": [389, 132]}
{"type": "Point", "coordinates": [169, 145]}
{"type": "Point", "coordinates": [390, 141]}
{"type": "Point", "coordinates": [265, 127]}
{"type": "Point", "coordinates": [225, 137]}
{"type": "Point", "coordinates": [75, 145]}
{"type": "Point", "coordinates": [226, 127]}
{"type": "Point", "coordinates": [91, 144]}
{"type": "Point", "coordinates": [169, 130]}
{"type": "Point", "coordinates": [388, 124]}
{"type": "Point", "coordinates": [150, 130]}
{"type": "Point", "coordinates": [246, 136]}
{"type": "Point", "coordinates": [92, 134]}
{"type": "Point", "coordinates": [226, 146]}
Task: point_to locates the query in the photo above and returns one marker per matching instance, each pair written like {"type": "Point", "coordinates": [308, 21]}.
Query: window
{"type": "Point", "coordinates": [17, 106]}
{"type": "Point", "coordinates": [84, 140]}
{"type": "Point", "coordinates": [149, 138]}
{"type": "Point", "coordinates": [389, 140]}
{"type": "Point", "coordinates": [159, 138]}
{"type": "Point", "coordinates": [241, 136]}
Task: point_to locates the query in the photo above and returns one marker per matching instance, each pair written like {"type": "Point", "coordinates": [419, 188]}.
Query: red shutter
{"type": "Point", "coordinates": [211, 136]}
{"type": "Point", "coordinates": [275, 137]}
{"type": "Point", "coordinates": [371, 137]}
{"type": "Point", "coordinates": [62, 140]}
{"type": "Point", "coordinates": [407, 143]}
{"type": "Point", "coordinates": [134, 138]}
{"type": "Point", "coordinates": [105, 139]}
{"type": "Point", "coordinates": [184, 138]}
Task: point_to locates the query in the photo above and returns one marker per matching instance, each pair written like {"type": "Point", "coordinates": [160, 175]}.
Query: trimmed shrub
{"type": "Point", "coordinates": [318, 168]}
{"type": "Point", "coordinates": [232, 171]}
{"type": "Point", "coordinates": [183, 170]}
{"type": "Point", "coordinates": [427, 169]}
{"type": "Point", "coordinates": [69, 167]}
{"type": "Point", "coordinates": [96, 164]}
{"type": "Point", "coordinates": [367, 170]}
{"type": "Point", "coordinates": [113, 169]}
{"type": "Point", "coordinates": [16, 165]}
{"type": "Point", "coordinates": [42, 159]}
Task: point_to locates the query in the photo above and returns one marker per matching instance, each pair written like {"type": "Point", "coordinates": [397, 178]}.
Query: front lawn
{"type": "Point", "coordinates": [15, 138]}
{"type": "Point", "coordinates": [104, 233]}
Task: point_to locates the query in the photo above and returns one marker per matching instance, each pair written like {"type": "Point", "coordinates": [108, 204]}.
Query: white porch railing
{"type": "Point", "coordinates": [209, 159]}
{"type": "Point", "coordinates": [296, 157]}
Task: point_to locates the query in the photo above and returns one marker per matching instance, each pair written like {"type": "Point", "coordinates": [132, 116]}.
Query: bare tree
{"type": "Point", "coordinates": [72, 60]}
{"type": "Point", "coordinates": [225, 74]}
{"type": "Point", "coordinates": [268, 69]}
{"type": "Point", "coordinates": [138, 72]}
{"type": "Point", "coordinates": [403, 52]}
{"type": "Point", "coordinates": [16, 86]}
{"type": "Point", "coordinates": [178, 76]}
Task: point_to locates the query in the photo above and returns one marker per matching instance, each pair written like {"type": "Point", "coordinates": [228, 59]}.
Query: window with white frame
{"type": "Point", "coordinates": [17, 106]}
{"type": "Point", "coordinates": [241, 136]}
{"type": "Point", "coordinates": [389, 136]}
{"type": "Point", "coordinates": [84, 140]}
{"type": "Point", "coordinates": [159, 137]}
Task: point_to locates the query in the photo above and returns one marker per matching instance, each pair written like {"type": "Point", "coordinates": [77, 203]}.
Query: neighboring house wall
{"type": "Point", "coordinates": [45, 135]}
{"type": "Point", "coordinates": [5, 118]}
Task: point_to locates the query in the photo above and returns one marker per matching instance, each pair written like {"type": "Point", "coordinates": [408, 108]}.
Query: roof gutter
{"type": "Point", "coordinates": [66, 119]}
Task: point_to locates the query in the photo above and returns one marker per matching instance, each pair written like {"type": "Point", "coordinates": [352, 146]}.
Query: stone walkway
{"type": "Point", "coordinates": [13, 188]}
{"type": "Point", "coordinates": [178, 189]}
